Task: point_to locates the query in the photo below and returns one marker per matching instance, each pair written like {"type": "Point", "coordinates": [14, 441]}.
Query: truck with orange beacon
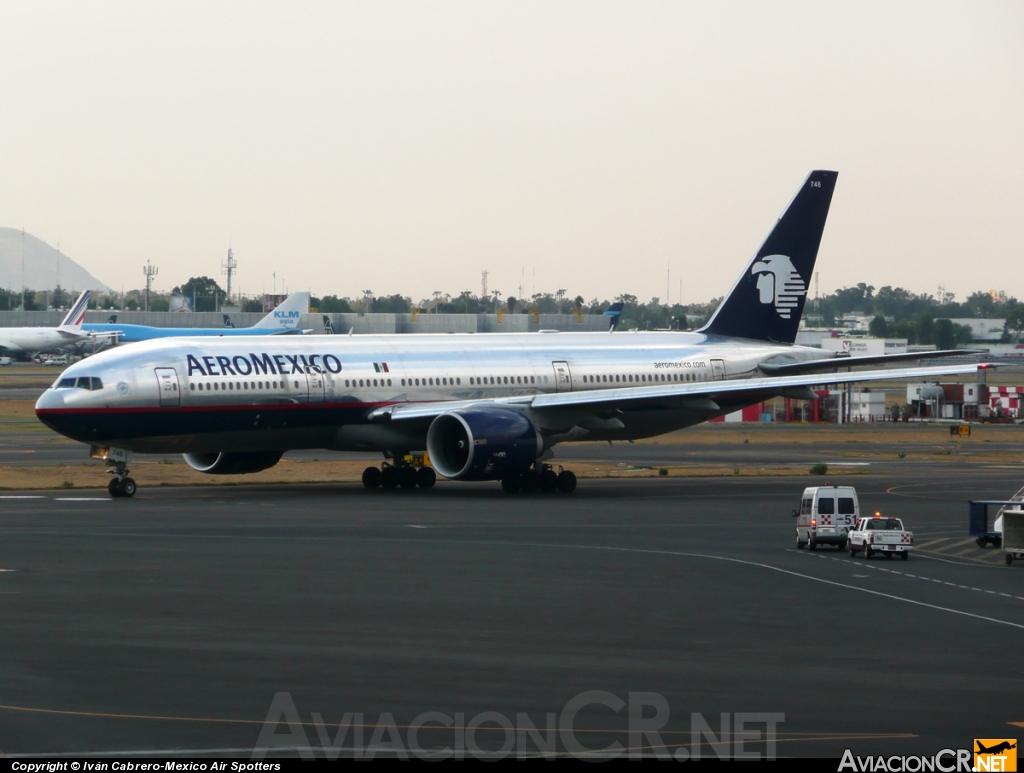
{"type": "Point", "coordinates": [882, 535]}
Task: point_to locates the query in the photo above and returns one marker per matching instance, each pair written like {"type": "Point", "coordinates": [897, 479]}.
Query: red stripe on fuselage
{"type": "Point", "coordinates": [201, 408]}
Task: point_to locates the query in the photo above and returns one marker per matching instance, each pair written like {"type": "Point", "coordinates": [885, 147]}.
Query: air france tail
{"type": "Point", "coordinates": [287, 315]}
{"type": "Point", "coordinates": [767, 300]}
{"type": "Point", "coordinates": [74, 318]}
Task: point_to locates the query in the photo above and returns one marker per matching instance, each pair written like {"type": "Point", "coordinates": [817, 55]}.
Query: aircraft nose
{"type": "Point", "coordinates": [49, 410]}
{"type": "Point", "coordinates": [50, 400]}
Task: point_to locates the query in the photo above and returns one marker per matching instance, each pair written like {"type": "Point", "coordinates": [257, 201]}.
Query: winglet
{"type": "Point", "coordinates": [767, 300]}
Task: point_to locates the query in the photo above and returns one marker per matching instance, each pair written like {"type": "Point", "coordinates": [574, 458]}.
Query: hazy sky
{"type": "Point", "coordinates": [405, 147]}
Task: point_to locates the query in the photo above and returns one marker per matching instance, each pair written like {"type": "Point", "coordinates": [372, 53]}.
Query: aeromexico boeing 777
{"type": "Point", "coordinates": [484, 407]}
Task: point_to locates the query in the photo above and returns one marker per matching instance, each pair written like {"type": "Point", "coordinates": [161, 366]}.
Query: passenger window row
{"type": "Point", "coordinates": [232, 386]}
{"type": "Point", "coordinates": [487, 380]}
{"type": "Point", "coordinates": [645, 378]}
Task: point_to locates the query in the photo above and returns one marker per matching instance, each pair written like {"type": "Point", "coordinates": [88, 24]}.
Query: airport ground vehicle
{"type": "Point", "coordinates": [1013, 533]}
{"type": "Point", "coordinates": [825, 516]}
{"type": "Point", "coordinates": [59, 360]}
{"type": "Point", "coordinates": [880, 535]}
{"type": "Point", "coordinates": [4, 361]}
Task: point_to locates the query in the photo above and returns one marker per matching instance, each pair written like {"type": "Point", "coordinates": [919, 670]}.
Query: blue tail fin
{"type": "Point", "coordinates": [767, 300]}
{"type": "Point", "coordinates": [613, 313]}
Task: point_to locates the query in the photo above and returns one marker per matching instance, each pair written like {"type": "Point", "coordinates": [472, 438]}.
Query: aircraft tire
{"type": "Point", "coordinates": [389, 478]}
{"type": "Point", "coordinates": [371, 477]}
{"type": "Point", "coordinates": [426, 477]}
{"type": "Point", "coordinates": [549, 481]}
{"type": "Point", "coordinates": [530, 482]}
{"type": "Point", "coordinates": [407, 477]}
{"type": "Point", "coordinates": [128, 487]}
{"type": "Point", "coordinates": [114, 488]}
{"type": "Point", "coordinates": [511, 485]}
{"type": "Point", "coordinates": [566, 482]}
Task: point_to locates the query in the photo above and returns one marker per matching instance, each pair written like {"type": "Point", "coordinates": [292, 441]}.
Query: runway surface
{"type": "Point", "coordinates": [169, 622]}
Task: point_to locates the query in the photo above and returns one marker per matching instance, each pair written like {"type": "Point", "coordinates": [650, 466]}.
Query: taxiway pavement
{"type": "Point", "coordinates": [171, 621]}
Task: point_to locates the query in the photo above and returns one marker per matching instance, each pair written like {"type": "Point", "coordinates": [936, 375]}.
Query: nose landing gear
{"type": "Point", "coordinates": [117, 460]}
{"type": "Point", "coordinates": [121, 485]}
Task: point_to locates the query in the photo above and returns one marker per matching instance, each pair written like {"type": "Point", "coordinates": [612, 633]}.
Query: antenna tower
{"type": "Point", "coordinates": [228, 267]}
{"type": "Point", "coordinates": [150, 271]}
{"type": "Point", "coordinates": [483, 283]}
{"type": "Point", "coordinates": [815, 292]}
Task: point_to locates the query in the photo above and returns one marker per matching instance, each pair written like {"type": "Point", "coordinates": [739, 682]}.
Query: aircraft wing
{"type": "Point", "coordinates": [699, 395]}
{"type": "Point", "coordinates": [816, 366]}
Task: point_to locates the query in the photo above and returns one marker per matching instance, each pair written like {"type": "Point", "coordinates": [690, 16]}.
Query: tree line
{"type": "Point", "coordinates": [894, 312]}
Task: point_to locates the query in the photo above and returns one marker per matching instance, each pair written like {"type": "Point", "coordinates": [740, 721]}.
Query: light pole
{"type": "Point", "coordinates": [150, 271]}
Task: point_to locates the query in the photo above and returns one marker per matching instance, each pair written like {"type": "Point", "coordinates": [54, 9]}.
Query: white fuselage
{"type": "Point", "coordinates": [35, 339]}
{"type": "Point", "coordinates": [319, 391]}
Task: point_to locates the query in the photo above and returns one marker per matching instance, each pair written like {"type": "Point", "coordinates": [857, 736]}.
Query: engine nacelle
{"type": "Point", "coordinates": [235, 463]}
{"type": "Point", "coordinates": [482, 443]}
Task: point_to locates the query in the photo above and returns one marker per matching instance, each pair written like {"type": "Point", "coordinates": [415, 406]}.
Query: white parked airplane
{"type": "Point", "coordinates": [484, 407]}
{"type": "Point", "coordinates": [47, 339]}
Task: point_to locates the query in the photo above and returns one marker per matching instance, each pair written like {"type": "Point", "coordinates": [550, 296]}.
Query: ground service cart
{"type": "Point", "coordinates": [1013, 533]}
{"type": "Point", "coordinates": [982, 524]}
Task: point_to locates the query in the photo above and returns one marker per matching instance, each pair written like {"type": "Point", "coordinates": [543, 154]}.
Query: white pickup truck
{"type": "Point", "coordinates": [880, 535]}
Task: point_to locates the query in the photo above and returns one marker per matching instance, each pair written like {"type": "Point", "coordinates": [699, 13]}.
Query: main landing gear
{"type": "Point", "coordinates": [542, 478]}
{"type": "Point", "coordinates": [408, 474]}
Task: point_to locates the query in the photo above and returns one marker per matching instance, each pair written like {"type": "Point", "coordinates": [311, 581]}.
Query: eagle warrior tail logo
{"type": "Point", "coordinates": [779, 283]}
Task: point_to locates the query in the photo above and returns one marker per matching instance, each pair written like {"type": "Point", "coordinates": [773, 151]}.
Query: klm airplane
{"type": "Point", "coordinates": [483, 407]}
{"type": "Point", "coordinates": [283, 319]}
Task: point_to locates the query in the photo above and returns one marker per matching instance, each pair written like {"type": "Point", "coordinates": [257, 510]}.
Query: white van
{"type": "Point", "coordinates": [826, 515]}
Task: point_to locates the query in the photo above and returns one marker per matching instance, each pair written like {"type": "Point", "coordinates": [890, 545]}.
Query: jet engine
{"type": "Point", "coordinates": [482, 443]}
{"type": "Point", "coordinates": [236, 463]}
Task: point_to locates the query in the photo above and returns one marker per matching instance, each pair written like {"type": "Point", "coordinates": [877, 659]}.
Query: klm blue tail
{"type": "Point", "coordinates": [767, 300]}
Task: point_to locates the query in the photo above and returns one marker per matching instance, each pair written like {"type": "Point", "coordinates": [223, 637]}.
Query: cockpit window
{"type": "Point", "coordinates": [82, 382]}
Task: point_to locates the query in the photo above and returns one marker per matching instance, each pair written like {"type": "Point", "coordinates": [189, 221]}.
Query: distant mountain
{"type": "Point", "coordinates": [41, 265]}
